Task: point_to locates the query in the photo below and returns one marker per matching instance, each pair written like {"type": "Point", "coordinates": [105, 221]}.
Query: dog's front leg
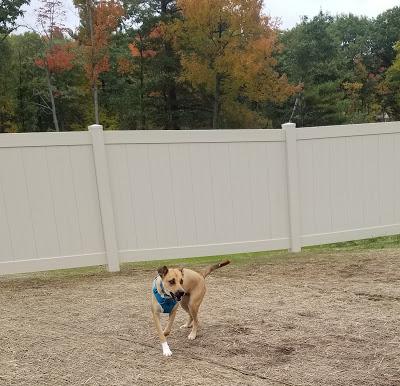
{"type": "Point", "coordinates": [166, 351]}
{"type": "Point", "coordinates": [171, 319]}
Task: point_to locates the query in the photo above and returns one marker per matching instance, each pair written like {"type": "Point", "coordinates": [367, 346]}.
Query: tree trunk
{"type": "Point", "coordinates": [217, 94]}
{"type": "Point", "coordinates": [95, 92]}
{"type": "Point", "coordinates": [170, 90]}
{"type": "Point", "coordinates": [96, 102]}
{"type": "Point", "coordinates": [53, 104]}
{"type": "Point", "coordinates": [141, 96]}
{"type": "Point", "coordinates": [218, 78]}
{"type": "Point", "coordinates": [172, 105]}
{"type": "Point", "coordinates": [21, 121]}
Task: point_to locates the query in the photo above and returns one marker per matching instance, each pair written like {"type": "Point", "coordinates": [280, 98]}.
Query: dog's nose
{"type": "Point", "coordinates": [179, 294]}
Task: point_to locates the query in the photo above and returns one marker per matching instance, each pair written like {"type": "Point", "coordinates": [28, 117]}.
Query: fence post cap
{"type": "Point", "coordinates": [288, 125]}
{"type": "Point", "coordinates": [95, 127]}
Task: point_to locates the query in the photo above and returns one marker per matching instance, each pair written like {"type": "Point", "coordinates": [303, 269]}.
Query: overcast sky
{"type": "Point", "coordinates": [288, 11]}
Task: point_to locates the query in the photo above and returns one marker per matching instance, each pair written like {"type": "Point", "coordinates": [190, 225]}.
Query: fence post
{"type": "Point", "coordinates": [293, 186]}
{"type": "Point", "coordinates": [105, 199]}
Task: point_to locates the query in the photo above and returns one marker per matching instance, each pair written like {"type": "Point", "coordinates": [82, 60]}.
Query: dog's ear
{"type": "Point", "coordinates": [162, 271]}
{"type": "Point", "coordinates": [181, 269]}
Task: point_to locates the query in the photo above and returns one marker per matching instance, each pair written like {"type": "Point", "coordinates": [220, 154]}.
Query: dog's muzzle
{"type": "Point", "coordinates": [178, 295]}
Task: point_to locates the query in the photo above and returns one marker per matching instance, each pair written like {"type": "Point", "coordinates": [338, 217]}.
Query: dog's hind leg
{"type": "Point", "coordinates": [185, 305]}
{"type": "Point", "coordinates": [171, 319]}
{"type": "Point", "coordinates": [195, 323]}
{"type": "Point", "coordinates": [188, 324]}
{"type": "Point", "coordinates": [194, 305]}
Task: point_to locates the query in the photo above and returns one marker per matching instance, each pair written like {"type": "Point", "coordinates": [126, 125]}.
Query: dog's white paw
{"type": "Point", "coordinates": [192, 336]}
{"type": "Point", "coordinates": [186, 325]}
{"type": "Point", "coordinates": [166, 351]}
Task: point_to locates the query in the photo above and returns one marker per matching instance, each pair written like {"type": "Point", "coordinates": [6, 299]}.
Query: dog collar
{"type": "Point", "coordinates": [166, 302]}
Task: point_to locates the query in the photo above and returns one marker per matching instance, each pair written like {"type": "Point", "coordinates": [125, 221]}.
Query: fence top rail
{"type": "Point", "coordinates": [45, 139]}
{"type": "Point", "coordinates": [192, 136]}
{"type": "Point", "coordinates": [348, 130]}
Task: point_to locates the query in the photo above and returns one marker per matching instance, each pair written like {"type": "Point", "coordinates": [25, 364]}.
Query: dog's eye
{"type": "Point", "coordinates": [181, 281]}
{"type": "Point", "coordinates": [172, 282]}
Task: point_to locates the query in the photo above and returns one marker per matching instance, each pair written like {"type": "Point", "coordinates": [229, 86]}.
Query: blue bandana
{"type": "Point", "coordinates": [166, 302]}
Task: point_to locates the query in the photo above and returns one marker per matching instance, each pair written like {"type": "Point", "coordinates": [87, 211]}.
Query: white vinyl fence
{"type": "Point", "coordinates": [87, 198]}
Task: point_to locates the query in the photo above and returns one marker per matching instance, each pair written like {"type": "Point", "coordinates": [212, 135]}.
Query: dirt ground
{"type": "Point", "coordinates": [311, 319]}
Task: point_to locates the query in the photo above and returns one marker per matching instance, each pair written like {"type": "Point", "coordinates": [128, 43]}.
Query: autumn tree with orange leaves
{"type": "Point", "coordinates": [57, 54]}
{"type": "Point", "coordinates": [98, 21]}
{"type": "Point", "coordinates": [227, 48]}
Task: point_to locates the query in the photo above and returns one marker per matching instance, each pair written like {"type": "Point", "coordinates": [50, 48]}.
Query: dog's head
{"type": "Point", "coordinates": [172, 280]}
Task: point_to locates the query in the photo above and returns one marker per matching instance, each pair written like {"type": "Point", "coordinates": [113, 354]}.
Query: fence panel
{"type": "Point", "coordinates": [349, 179]}
{"type": "Point", "coordinates": [49, 216]}
{"type": "Point", "coordinates": [186, 194]}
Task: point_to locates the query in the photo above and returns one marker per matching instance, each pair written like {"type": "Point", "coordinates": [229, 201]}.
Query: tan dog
{"type": "Point", "coordinates": [173, 286]}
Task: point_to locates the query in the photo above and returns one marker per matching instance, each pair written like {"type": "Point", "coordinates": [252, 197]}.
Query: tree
{"type": "Point", "coordinates": [26, 97]}
{"type": "Point", "coordinates": [25, 83]}
{"type": "Point", "coordinates": [311, 57]}
{"type": "Point", "coordinates": [359, 77]}
{"type": "Point", "coordinates": [57, 58]}
{"type": "Point", "coordinates": [98, 21]}
{"type": "Point", "coordinates": [392, 82]}
{"type": "Point", "coordinates": [10, 10]}
{"type": "Point", "coordinates": [385, 33]}
{"type": "Point", "coordinates": [138, 50]}
{"type": "Point", "coordinates": [7, 99]}
{"type": "Point", "coordinates": [385, 48]}
{"type": "Point", "coordinates": [352, 37]}
{"type": "Point", "coordinates": [57, 55]}
{"type": "Point", "coordinates": [227, 49]}
{"type": "Point", "coordinates": [143, 17]}
{"type": "Point", "coordinates": [169, 12]}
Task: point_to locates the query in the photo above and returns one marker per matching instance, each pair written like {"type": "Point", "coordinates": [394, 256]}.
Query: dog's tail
{"type": "Point", "coordinates": [213, 267]}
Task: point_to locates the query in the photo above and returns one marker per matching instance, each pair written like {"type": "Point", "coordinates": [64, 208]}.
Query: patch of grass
{"type": "Point", "coordinates": [237, 259]}
{"type": "Point", "coordinates": [271, 256]}
{"type": "Point", "coordinates": [60, 274]}
{"type": "Point", "coordinates": [152, 265]}
{"type": "Point", "coordinates": [373, 243]}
